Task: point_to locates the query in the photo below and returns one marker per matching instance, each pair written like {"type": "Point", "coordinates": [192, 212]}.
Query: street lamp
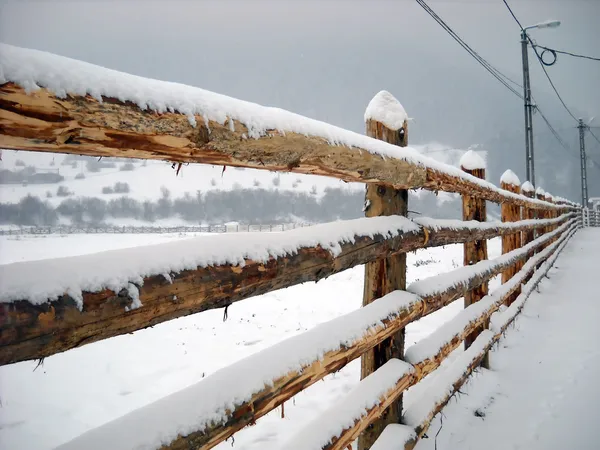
{"type": "Point", "coordinates": [529, 166]}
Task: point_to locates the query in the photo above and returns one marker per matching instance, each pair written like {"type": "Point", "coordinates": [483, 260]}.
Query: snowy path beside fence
{"type": "Point", "coordinates": [542, 391]}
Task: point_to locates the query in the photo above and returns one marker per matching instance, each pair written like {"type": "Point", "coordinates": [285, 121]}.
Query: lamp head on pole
{"type": "Point", "coordinates": [546, 24]}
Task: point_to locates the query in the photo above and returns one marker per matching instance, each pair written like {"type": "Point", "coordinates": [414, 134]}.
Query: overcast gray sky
{"type": "Point", "coordinates": [327, 58]}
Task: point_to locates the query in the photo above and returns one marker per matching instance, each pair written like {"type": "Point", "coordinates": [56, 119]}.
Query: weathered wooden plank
{"type": "Point", "coordinates": [42, 122]}
{"type": "Point", "coordinates": [82, 125]}
{"type": "Point", "coordinates": [383, 276]}
{"type": "Point", "coordinates": [30, 331]}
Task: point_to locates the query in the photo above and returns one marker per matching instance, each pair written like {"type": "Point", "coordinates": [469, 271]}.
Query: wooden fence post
{"type": "Point", "coordinates": [510, 242]}
{"type": "Point", "coordinates": [550, 214]}
{"type": "Point", "coordinates": [528, 190]}
{"type": "Point", "coordinates": [474, 208]}
{"type": "Point", "coordinates": [385, 120]}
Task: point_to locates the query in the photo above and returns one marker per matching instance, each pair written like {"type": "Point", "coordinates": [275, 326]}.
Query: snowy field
{"type": "Point", "coordinates": [81, 389]}
{"type": "Point", "coordinates": [148, 179]}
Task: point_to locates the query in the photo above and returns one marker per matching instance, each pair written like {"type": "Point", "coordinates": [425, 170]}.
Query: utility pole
{"type": "Point", "coordinates": [529, 169]}
{"type": "Point", "coordinates": [529, 106]}
{"type": "Point", "coordinates": [584, 189]}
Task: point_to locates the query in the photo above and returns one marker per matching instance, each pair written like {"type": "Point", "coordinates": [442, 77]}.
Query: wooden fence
{"type": "Point", "coordinates": [535, 227]}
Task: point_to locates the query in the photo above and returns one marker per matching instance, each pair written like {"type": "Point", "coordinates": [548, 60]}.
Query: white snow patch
{"type": "Point", "coordinates": [353, 407]}
{"type": "Point", "coordinates": [394, 437]}
{"type": "Point", "coordinates": [134, 294]}
{"type": "Point", "coordinates": [385, 108]}
{"type": "Point", "coordinates": [509, 177]}
{"type": "Point", "coordinates": [540, 191]}
{"type": "Point", "coordinates": [527, 187]}
{"type": "Point", "coordinates": [471, 160]}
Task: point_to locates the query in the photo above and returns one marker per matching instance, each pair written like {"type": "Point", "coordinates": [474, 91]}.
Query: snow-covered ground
{"type": "Point", "coordinates": [81, 389]}
{"type": "Point", "coordinates": [542, 390]}
{"type": "Point", "coordinates": [146, 181]}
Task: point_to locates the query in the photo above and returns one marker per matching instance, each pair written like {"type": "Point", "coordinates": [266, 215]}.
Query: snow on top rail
{"type": "Point", "coordinates": [126, 268]}
{"type": "Point", "coordinates": [33, 69]}
{"type": "Point", "coordinates": [214, 398]}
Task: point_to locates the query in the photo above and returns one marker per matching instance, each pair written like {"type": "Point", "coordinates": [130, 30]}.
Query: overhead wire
{"type": "Point", "coordinates": [541, 61]}
{"type": "Point", "coordinates": [502, 77]}
{"type": "Point", "coordinates": [543, 65]}
{"type": "Point", "coordinates": [495, 72]}
{"type": "Point", "coordinates": [563, 52]}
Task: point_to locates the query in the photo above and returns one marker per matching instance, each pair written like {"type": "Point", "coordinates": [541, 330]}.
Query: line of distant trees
{"type": "Point", "coordinates": [242, 205]}
{"type": "Point", "coordinates": [258, 206]}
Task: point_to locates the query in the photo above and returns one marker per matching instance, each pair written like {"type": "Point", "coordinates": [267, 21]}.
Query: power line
{"type": "Point", "coordinates": [553, 131]}
{"type": "Point", "coordinates": [592, 133]}
{"type": "Point", "coordinates": [539, 58]}
{"type": "Point", "coordinates": [576, 55]}
{"type": "Point", "coordinates": [495, 72]}
{"type": "Point", "coordinates": [513, 14]}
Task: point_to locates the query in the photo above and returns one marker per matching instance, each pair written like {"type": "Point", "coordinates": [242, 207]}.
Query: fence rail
{"type": "Point", "coordinates": [114, 229]}
{"type": "Point", "coordinates": [55, 314]}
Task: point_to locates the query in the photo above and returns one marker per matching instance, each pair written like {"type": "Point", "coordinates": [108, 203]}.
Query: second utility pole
{"type": "Point", "coordinates": [584, 189]}
{"type": "Point", "coordinates": [530, 171]}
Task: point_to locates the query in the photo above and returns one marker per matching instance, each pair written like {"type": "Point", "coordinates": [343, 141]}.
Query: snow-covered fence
{"type": "Point", "coordinates": [590, 217]}
{"type": "Point", "coordinates": [49, 103]}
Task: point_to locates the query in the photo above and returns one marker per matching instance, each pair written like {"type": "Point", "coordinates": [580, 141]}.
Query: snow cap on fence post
{"type": "Point", "coordinates": [540, 193]}
{"type": "Point", "coordinates": [385, 108]}
{"type": "Point", "coordinates": [509, 177]}
{"type": "Point", "coordinates": [472, 161]}
{"type": "Point", "coordinates": [527, 188]}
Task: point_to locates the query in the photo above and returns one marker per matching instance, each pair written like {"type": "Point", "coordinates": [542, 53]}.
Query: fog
{"type": "Point", "coordinates": [326, 59]}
